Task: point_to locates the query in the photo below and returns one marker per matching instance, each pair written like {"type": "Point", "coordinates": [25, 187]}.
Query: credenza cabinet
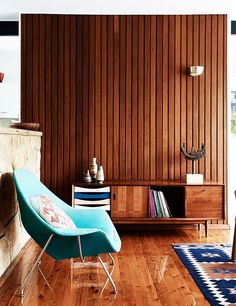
{"type": "Point", "coordinates": [189, 204]}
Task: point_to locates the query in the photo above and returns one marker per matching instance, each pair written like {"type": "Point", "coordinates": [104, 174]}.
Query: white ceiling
{"type": "Point", "coordinates": [10, 9]}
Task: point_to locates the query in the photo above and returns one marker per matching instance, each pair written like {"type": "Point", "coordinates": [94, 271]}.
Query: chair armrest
{"type": "Point", "coordinates": [90, 218]}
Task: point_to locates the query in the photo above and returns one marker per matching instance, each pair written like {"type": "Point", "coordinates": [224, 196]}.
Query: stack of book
{"type": "Point", "coordinates": [158, 205]}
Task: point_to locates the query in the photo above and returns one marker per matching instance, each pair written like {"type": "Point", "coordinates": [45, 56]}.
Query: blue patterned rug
{"type": "Point", "coordinates": [212, 270]}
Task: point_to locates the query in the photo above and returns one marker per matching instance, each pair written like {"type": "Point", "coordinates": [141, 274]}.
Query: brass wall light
{"type": "Point", "coordinates": [195, 70]}
{"type": "Point", "coordinates": [1, 76]}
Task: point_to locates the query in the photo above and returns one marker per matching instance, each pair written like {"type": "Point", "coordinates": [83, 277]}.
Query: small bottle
{"type": "Point", "coordinates": [100, 175]}
{"type": "Point", "coordinates": [87, 177]}
{"type": "Point", "coordinates": [93, 169]}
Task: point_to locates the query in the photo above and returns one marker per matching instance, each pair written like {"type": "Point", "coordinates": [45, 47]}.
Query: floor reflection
{"type": "Point", "coordinates": [160, 268]}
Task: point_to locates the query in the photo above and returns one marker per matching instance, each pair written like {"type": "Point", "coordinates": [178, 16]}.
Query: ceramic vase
{"type": "Point", "coordinates": [93, 169]}
{"type": "Point", "coordinates": [100, 175]}
{"type": "Point", "coordinates": [87, 177]}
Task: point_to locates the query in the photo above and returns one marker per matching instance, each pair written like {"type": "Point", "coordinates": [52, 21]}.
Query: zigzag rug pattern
{"type": "Point", "coordinates": [212, 269]}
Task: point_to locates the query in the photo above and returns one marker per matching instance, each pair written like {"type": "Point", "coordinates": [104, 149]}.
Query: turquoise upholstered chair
{"type": "Point", "coordinates": [95, 233]}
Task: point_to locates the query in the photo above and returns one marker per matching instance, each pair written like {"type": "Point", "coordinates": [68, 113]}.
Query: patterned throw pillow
{"type": "Point", "coordinates": [51, 213]}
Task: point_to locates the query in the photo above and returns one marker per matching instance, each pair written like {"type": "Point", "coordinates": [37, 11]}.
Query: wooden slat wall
{"type": "Point", "coordinates": [116, 87]}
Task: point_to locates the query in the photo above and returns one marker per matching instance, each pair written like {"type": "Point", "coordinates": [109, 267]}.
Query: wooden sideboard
{"type": "Point", "coordinates": [189, 204]}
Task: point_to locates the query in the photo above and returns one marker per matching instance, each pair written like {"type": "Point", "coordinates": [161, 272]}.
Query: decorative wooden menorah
{"type": "Point", "coordinates": [194, 155]}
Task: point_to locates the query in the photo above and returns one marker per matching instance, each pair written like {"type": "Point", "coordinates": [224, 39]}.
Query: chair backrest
{"type": "Point", "coordinates": [27, 186]}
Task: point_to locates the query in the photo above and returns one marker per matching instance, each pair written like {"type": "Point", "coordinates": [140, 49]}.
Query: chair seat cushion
{"type": "Point", "coordinates": [51, 213]}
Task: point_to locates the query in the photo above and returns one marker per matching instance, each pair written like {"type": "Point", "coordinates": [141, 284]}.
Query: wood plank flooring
{"type": "Point", "coordinates": [148, 272]}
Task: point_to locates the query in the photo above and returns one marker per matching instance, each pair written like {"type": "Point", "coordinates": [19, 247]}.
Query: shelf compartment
{"type": "Point", "coordinates": [175, 199]}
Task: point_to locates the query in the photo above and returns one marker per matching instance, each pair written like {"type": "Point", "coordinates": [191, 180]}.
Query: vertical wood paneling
{"type": "Point", "coordinates": [116, 108]}
{"type": "Point", "coordinates": [171, 100]}
{"type": "Point", "coordinates": [60, 109]}
{"type": "Point", "coordinates": [147, 95]}
{"type": "Point", "coordinates": [90, 84]}
{"type": "Point", "coordinates": [41, 81]}
{"type": "Point", "coordinates": [177, 110]}
{"type": "Point", "coordinates": [66, 104]}
{"type": "Point", "coordinates": [195, 87]}
{"type": "Point", "coordinates": [85, 101]}
{"type": "Point", "coordinates": [128, 104]}
{"type": "Point", "coordinates": [110, 97]}
{"type": "Point", "coordinates": [122, 96]}
{"type": "Point", "coordinates": [54, 98]}
{"type": "Point", "coordinates": [48, 103]}
{"type": "Point", "coordinates": [189, 88]}
{"type": "Point", "coordinates": [165, 74]}
{"type": "Point", "coordinates": [102, 111]}
{"type": "Point", "coordinates": [79, 99]}
{"type": "Point", "coordinates": [153, 108]}
{"type": "Point", "coordinates": [35, 84]}
{"type": "Point", "coordinates": [73, 94]}
{"type": "Point", "coordinates": [207, 74]}
{"type": "Point", "coordinates": [134, 98]}
{"type": "Point", "coordinates": [100, 96]}
{"type": "Point", "coordinates": [214, 88]}
{"type": "Point", "coordinates": [183, 92]}
{"type": "Point", "coordinates": [116, 87]}
{"type": "Point", "coordinates": [140, 129]}
{"type": "Point", "coordinates": [201, 91]}
{"type": "Point", "coordinates": [159, 97]}
{"type": "Point", "coordinates": [220, 96]}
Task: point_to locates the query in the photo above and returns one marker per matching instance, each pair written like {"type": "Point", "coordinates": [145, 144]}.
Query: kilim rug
{"type": "Point", "coordinates": [212, 270]}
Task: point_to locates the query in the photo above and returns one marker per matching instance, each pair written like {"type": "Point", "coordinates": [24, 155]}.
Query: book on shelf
{"type": "Point", "coordinates": [152, 209]}
{"type": "Point", "coordinates": [166, 208]}
{"type": "Point", "coordinates": [158, 205]}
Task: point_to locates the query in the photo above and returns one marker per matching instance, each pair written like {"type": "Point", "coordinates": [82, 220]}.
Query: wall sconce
{"type": "Point", "coordinates": [195, 70]}
{"type": "Point", "coordinates": [1, 76]}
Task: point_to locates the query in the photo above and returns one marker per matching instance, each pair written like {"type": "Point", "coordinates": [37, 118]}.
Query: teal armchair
{"type": "Point", "coordinates": [94, 235]}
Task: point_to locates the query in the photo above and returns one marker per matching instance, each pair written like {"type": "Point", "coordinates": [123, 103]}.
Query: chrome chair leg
{"type": "Point", "coordinates": [80, 250]}
{"type": "Point", "coordinates": [44, 277]}
{"type": "Point", "coordinates": [108, 274]}
{"type": "Point", "coordinates": [112, 269]}
{"type": "Point", "coordinates": [34, 266]}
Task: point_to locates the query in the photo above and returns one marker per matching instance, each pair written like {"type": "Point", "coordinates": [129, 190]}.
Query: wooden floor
{"type": "Point", "coordinates": [148, 272]}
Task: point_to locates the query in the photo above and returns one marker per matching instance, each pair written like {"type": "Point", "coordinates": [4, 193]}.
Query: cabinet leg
{"type": "Point", "coordinates": [206, 228]}
{"type": "Point", "coordinates": [199, 226]}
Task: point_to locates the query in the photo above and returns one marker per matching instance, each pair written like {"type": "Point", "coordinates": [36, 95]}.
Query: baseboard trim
{"type": "Point", "coordinates": [157, 227]}
{"type": "Point", "coordinates": [219, 226]}
{"type": "Point", "coordinates": [8, 271]}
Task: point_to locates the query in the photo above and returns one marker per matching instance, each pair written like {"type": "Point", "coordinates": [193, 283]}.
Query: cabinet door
{"type": "Point", "coordinates": [129, 201]}
{"type": "Point", "coordinates": [204, 201]}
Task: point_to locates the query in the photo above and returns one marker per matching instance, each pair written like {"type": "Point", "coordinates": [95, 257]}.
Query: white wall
{"type": "Point", "coordinates": [10, 8]}
{"type": "Point", "coordinates": [231, 139]}
{"type": "Point", "coordinates": [10, 86]}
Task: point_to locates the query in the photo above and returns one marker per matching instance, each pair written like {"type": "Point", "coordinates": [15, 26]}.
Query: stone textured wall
{"type": "Point", "coordinates": [18, 149]}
